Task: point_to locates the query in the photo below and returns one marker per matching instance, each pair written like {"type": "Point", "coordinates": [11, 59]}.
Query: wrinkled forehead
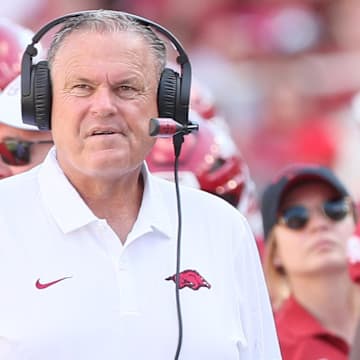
{"type": "Point", "coordinates": [124, 28]}
{"type": "Point", "coordinates": [120, 40]}
{"type": "Point", "coordinates": [115, 51]}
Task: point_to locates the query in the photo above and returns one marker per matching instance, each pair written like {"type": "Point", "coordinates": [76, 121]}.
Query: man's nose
{"type": "Point", "coordinates": [103, 102]}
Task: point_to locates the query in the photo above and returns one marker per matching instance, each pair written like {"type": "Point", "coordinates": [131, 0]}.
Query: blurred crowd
{"type": "Point", "coordinates": [282, 72]}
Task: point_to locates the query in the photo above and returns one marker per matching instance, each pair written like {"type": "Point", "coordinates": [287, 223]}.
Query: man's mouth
{"type": "Point", "coordinates": [102, 132]}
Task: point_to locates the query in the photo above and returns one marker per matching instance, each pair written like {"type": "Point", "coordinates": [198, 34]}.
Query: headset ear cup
{"type": "Point", "coordinates": [168, 93]}
{"type": "Point", "coordinates": [42, 95]}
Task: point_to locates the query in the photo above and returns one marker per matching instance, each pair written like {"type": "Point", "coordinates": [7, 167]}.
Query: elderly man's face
{"type": "Point", "coordinates": [104, 94]}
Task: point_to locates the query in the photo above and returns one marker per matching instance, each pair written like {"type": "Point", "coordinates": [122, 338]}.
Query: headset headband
{"type": "Point", "coordinates": [182, 59]}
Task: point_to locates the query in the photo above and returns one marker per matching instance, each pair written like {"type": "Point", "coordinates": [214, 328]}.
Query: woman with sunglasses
{"type": "Point", "coordinates": [308, 216]}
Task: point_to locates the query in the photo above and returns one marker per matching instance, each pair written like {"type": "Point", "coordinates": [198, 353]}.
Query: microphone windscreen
{"type": "Point", "coordinates": [164, 127]}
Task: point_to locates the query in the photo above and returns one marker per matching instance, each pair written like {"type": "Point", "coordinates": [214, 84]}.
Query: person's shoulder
{"type": "Point", "coordinates": [311, 347]}
{"type": "Point", "coordinates": [298, 333]}
{"type": "Point", "coordinates": [290, 313]}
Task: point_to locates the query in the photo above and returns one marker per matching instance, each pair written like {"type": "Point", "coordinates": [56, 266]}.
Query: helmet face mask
{"type": "Point", "coordinates": [206, 155]}
{"type": "Point", "coordinates": [210, 160]}
{"type": "Point", "coordinates": [13, 40]}
{"type": "Point", "coordinates": [223, 178]}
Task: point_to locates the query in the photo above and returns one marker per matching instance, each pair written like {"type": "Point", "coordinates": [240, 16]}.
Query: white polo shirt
{"type": "Point", "coordinates": [71, 291]}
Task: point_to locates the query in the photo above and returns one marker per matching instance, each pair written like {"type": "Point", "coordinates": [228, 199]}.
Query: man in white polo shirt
{"type": "Point", "coordinates": [93, 261]}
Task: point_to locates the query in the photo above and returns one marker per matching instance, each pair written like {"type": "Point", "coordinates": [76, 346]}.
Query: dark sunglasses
{"type": "Point", "coordinates": [296, 217]}
{"type": "Point", "coordinates": [16, 152]}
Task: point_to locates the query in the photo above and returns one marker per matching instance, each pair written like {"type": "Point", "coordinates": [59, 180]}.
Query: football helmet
{"type": "Point", "coordinates": [209, 160]}
{"type": "Point", "coordinates": [13, 40]}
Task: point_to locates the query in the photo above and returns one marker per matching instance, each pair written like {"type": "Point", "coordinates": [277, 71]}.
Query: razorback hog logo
{"type": "Point", "coordinates": [191, 279]}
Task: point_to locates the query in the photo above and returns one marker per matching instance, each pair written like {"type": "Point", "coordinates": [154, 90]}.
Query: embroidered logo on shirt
{"type": "Point", "coordinates": [41, 286]}
{"type": "Point", "coordinates": [191, 279]}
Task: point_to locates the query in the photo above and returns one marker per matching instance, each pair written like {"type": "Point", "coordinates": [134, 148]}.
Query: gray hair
{"type": "Point", "coordinates": [109, 21]}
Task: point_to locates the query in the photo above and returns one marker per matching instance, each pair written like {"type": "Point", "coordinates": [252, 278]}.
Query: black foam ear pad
{"type": "Point", "coordinates": [42, 95]}
{"type": "Point", "coordinates": [168, 94]}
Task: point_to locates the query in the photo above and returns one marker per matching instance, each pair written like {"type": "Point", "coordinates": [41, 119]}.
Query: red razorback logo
{"type": "Point", "coordinates": [191, 279]}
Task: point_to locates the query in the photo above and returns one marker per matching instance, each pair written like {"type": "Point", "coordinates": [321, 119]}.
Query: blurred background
{"type": "Point", "coordinates": [284, 74]}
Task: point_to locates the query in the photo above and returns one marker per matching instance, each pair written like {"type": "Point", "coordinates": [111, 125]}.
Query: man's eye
{"type": "Point", "coordinates": [81, 86]}
{"type": "Point", "coordinates": [80, 89]}
{"type": "Point", "coordinates": [127, 88]}
{"type": "Point", "coordinates": [127, 91]}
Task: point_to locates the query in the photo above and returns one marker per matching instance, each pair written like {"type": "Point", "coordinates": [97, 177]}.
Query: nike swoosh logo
{"type": "Point", "coordinates": [41, 286]}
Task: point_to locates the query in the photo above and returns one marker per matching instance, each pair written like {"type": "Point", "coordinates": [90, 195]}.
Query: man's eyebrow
{"type": "Point", "coordinates": [78, 79]}
{"type": "Point", "coordinates": [128, 78]}
{"type": "Point", "coordinates": [73, 80]}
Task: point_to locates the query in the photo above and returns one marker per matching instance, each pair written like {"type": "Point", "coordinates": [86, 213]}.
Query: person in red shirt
{"type": "Point", "coordinates": [355, 349]}
{"type": "Point", "coordinates": [353, 253]}
{"type": "Point", "coordinates": [308, 216]}
{"type": "Point", "coordinates": [353, 247]}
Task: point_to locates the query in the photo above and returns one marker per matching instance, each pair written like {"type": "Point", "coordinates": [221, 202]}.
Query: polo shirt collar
{"type": "Point", "coordinates": [61, 199]}
{"type": "Point", "coordinates": [71, 212]}
{"type": "Point", "coordinates": [154, 213]}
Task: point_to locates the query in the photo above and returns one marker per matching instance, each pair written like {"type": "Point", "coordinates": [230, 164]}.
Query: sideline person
{"type": "Point", "coordinates": [308, 217]}
{"type": "Point", "coordinates": [355, 348]}
{"type": "Point", "coordinates": [21, 146]}
{"type": "Point", "coordinates": [88, 256]}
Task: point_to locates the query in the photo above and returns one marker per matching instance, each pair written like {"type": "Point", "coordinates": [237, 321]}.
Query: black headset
{"type": "Point", "coordinates": [36, 95]}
